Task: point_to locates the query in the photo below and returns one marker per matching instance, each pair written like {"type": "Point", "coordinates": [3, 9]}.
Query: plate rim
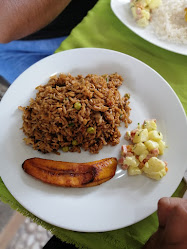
{"type": "Point", "coordinates": [163, 46]}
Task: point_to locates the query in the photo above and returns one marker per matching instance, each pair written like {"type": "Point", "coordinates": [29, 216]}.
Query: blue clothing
{"type": "Point", "coordinates": [17, 56]}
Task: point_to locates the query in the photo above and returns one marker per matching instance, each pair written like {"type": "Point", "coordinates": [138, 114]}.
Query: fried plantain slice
{"type": "Point", "coordinates": [68, 174]}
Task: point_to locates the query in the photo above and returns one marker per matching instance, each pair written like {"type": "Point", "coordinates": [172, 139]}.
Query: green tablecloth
{"type": "Point", "coordinates": [100, 28]}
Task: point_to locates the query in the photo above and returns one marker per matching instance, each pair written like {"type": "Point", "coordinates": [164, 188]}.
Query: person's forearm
{"type": "Point", "coordinates": [19, 18]}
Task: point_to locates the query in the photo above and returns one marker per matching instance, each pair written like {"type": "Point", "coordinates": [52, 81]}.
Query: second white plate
{"type": "Point", "coordinates": [121, 9]}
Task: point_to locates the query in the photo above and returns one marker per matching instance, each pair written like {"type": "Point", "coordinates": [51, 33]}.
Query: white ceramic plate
{"type": "Point", "coordinates": [122, 10]}
{"type": "Point", "coordinates": [123, 200]}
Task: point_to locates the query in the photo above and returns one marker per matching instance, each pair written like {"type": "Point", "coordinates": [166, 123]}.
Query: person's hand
{"type": "Point", "coordinates": [172, 230]}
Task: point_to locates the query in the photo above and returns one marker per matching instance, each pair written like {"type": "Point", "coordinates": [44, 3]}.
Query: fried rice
{"type": "Point", "coordinates": [71, 113]}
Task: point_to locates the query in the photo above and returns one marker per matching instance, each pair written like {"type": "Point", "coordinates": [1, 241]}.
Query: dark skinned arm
{"type": "Point", "coordinates": [19, 18]}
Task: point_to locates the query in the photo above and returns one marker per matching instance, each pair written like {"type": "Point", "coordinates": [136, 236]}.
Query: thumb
{"type": "Point", "coordinates": [176, 227]}
{"type": "Point", "coordinates": [166, 205]}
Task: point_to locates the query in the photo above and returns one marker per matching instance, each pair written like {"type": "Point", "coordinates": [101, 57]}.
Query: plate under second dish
{"type": "Point", "coordinates": [122, 201]}
{"type": "Point", "coordinates": [121, 9]}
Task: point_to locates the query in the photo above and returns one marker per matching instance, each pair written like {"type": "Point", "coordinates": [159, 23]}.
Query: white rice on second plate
{"type": "Point", "coordinates": [168, 21]}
